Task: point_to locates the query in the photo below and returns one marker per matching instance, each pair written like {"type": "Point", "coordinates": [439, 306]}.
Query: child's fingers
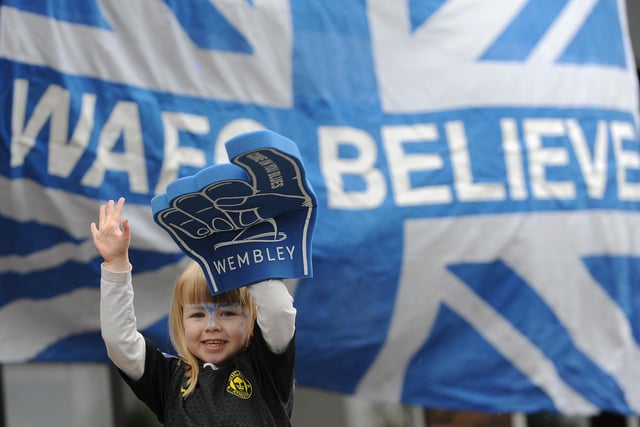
{"type": "Point", "coordinates": [126, 228]}
{"type": "Point", "coordinates": [108, 213]}
{"type": "Point", "coordinates": [110, 208]}
{"type": "Point", "coordinates": [117, 208]}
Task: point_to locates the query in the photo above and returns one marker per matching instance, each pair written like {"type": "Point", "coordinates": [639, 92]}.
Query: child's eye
{"type": "Point", "coordinates": [228, 313]}
{"type": "Point", "coordinates": [197, 315]}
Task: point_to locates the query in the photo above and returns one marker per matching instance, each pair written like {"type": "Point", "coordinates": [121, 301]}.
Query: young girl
{"type": "Point", "coordinates": [236, 350]}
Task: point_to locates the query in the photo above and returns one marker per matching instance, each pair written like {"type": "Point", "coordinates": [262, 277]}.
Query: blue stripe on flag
{"type": "Point", "coordinates": [620, 278]}
{"type": "Point", "coordinates": [460, 366]}
{"type": "Point", "coordinates": [15, 240]}
{"type": "Point", "coordinates": [359, 316]}
{"type": "Point", "coordinates": [82, 12]}
{"type": "Point", "coordinates": [505, 291]}
{"type": "Point", "coordinates": [39, 285]}
{"type": "Point", "coordinates": [86, 347]}
{"type": "Point", "coordinates": [587, 49]}
{"type": "Point", "coordinates": [196, 15]}
{"type": "Point", "coordinates": [421, 10]}
{"type": "Point", "coordinates": [158, 332]}
{"type": "Point", "coordinates": [525, 31]}
{"type": "Point", "coordinates": [70, 276]}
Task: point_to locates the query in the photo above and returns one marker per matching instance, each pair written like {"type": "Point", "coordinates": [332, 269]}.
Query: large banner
{"type": "Point", "coordinates": [476, 166]}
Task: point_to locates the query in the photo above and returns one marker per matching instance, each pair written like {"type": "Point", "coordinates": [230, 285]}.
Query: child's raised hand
{"type": "Point", "coordinates": [110, 238]}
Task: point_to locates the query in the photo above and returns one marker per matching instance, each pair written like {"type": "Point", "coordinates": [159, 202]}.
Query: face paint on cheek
{"type": "Point", "coordinates": [243, 325]}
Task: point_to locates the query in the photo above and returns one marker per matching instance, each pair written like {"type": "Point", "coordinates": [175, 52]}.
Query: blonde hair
{"type": "Point", "coordinates": [192, 288]}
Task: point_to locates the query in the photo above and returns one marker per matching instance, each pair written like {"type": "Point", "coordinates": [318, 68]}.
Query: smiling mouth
{"type": "Point", "coordinates": [213, 344]}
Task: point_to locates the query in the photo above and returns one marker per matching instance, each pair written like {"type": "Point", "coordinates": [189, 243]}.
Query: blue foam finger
{"type": "Point", "coordinates": [222, 172]}
{"type": "Point", "coordinates": [246, 221]}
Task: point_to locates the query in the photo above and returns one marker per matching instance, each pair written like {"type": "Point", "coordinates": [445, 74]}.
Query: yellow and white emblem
{"type": "Point", "coordinates": [238, 385]}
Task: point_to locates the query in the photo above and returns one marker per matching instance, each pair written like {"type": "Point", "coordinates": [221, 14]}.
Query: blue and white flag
{"type": "Point", "coordinates": [475, 163]}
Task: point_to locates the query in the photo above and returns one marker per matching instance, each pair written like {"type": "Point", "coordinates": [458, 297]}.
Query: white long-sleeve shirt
{"type": "Point", "coordinates": [126, 345]}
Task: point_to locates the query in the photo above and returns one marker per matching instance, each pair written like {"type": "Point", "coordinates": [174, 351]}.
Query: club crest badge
{"type": "Point", "coordinates": [239, 386]}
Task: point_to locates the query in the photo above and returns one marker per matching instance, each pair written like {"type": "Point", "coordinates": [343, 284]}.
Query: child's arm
{"type": "Point", "coordinates": [276, 313]}
{"type": "Point", "coordinates": [125, 345]}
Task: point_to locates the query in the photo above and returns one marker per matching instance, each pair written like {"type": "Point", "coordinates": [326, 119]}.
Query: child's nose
{"type": "Point", "coordinates": [211, 323]}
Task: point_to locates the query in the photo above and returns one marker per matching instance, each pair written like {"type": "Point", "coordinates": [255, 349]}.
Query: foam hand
{"type": "Point", "coordinates": [246, 221]}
